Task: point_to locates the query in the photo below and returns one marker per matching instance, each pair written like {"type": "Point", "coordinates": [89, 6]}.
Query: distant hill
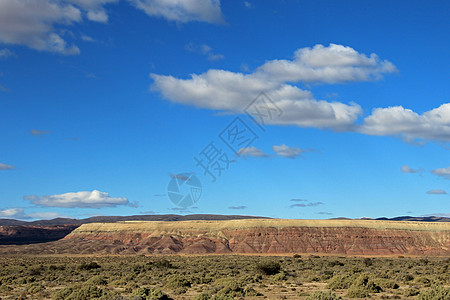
{"type": "Point", "coordinates": [418, 219]}
{"type": "Point", "coordinates": [253, 236]}
{"type": "Point", "coordinates": [22, 232]}
{"type": "Point", "coordinates": [110, 219]}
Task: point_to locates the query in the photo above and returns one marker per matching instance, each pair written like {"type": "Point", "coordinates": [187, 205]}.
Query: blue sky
{"type": "Point", "coordinates": [104, 101]}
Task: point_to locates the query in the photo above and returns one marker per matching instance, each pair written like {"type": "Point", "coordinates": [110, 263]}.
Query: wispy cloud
{"type": "Point", "coordinates": [299, 200]}
{"type": "Point", "coordinates": [324, 213]}
{"type": "Point", "coordinates": [251, 151]}
{"type": "Point", "coordinates": [437, 192]}
{"type": "Point", "coordinates": [5, 53]}
{"type": "Point", "coordinates": [408, 169]}
{"type": "Point", "coordinates": [289, 152]}
{"type": "Point", "coordinates": [237, 207]}
{"type": "Point", "coordinates": [83, 199]}
{"type": "Point", "coordinates": [87, 38]}
{"type": "Point", "coordinates": [308, 204]}
{"type": "Point", "coordinates": [183, 11]}
{"type": "Point", "coordinates": [6, 167]}
{"type": "Point", "coordinates": [36, 132]}
{"type": "Point", "coordinates": [203, 50]}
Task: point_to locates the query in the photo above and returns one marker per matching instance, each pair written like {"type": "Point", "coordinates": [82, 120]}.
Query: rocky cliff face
{"type": "Point", "coordinates": [353, 237]}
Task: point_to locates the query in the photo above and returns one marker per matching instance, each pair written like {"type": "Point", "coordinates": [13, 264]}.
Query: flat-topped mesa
{"type": "Point", "coordinates": [275, 236]}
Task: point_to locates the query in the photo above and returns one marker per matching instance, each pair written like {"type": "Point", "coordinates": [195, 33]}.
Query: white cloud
{"type": "Point", "coordinates": [182, 10]}
{"type": "Point", "coordinates": [19, 213]}
{"type": "Point", "coordinates": [398, 121]}
{"type": "Point", "coordinates": [40, 24]}
{"type": "Point", "coordinates": [408, 169]}
{"type": "Point", "coordinates": [6, 167]}
{"type": "Point", "coordinates": [332, 64]}
{"type": "Point", "coordinates": [98, 16]}
{"type": "Point", "coordinates": [251, 151]}
{"type": "Point", "coordinates": [232, 91]}
{"type": "Point", "coordinates": [95, 10]}
{"type": "Point", "coordinates": [442, 172]}
{"type": "Point", "coordinates": [289, 152]}
{"type": "Point", "coordinates": [12, 213]}
{"type": "Point", "coordinates": [437, 192]}
{"type": "Point", "coordinates": [31, 23]}
{"type": "Point", "coordinates": [84, 199]}
{"type": "Point", "coordinates": [87, 38]}
{"type": "Point", "coordinates": [229, 91]}
{"type": "Point", "coordinates": [5, 53]}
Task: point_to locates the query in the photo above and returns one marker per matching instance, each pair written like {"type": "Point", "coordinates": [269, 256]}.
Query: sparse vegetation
{"type": "Point", "coordinates": [222, 277]}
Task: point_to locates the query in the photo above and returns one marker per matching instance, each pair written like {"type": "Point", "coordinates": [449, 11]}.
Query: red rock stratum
{"type": "Point", "coordinates": [263, 236]}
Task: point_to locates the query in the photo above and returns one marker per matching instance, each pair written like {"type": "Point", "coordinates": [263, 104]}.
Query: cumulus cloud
{"type": "Point", "coordinates": [398, 121]}
{"type": "Point", "coordinates": [289, 152]}
{"type": "Point", "coordinates": [232, 91]}
{"type": "Point", "coordinates": [251, 151]}
{"type": "Point", "coordinates": [19, 213]}
{"type": "Point", "coordinates": [41, 24]}
{"type": "Point", "coordinates": [442, 172]}
{"type": "Point", "coordinates": [182, 10]}
{"type": "Point", "coordinates": [332, 64]}
{"type": "Point", "coordinates": [437, 192]}
{"type": "Point", "coordinates": [408, 169]}
{"type": "Point", "coordinates": [84, 199]}
{"type": "Point", "coordinates": [237, 207]}
{"type": "Point", "coordinates": [12, 213]}
{"type": "Point", "coordinates": [31, 23]}
{"type": "Point", "coordinates": [6, 167]}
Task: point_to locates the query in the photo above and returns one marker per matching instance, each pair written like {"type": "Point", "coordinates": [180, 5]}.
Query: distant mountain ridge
{"type": "Point", "coordinates": [109, 219]}
{"type": "Point", "coordinates": [175, 217]}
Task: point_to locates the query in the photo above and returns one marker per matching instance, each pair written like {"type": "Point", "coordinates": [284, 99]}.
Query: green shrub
{"type": "Point", "coordinates": [97, 280]}
{"type": "Point", "coordinates": [435, 293]}
{"type": "Point", "coordinates": [357, 292]}
{"type": "Point", "coordinates": [410, 292]}
{"type": "Point", "coordinates": [268, 267]}
{"type": "Point", "coordinates": [323, 296]}
{"type": "Point", "coordinates": [339, 282]}
{"type": "Point", "coordinates": [177, 281]}
{"type": "Point", "coordinates": [150, 294]}
{"type": "Point", "coordinates": [35, 288]}
{"type": "Point", "coordinates": [387, 283]}
{"type": "Point", "coordinates": [90, 266]}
